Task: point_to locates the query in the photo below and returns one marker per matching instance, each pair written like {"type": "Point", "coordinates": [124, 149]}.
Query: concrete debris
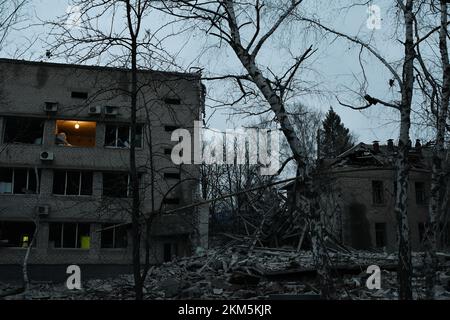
{"type": "Point", "coordinates": [237, 273]}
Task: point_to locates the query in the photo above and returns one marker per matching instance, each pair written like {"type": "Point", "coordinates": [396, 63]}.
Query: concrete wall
{"type": "Point", "coordinates": [359, 213]}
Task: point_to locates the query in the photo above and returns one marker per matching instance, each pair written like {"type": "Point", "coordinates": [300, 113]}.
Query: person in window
{"type": "Point", "coordinates": [61, 139]}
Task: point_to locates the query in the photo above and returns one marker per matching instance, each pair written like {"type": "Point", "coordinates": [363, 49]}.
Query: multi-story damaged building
{"type": "Point", "coordinates": [64, 163]}
{"type": "Point", "coordinates": [357, 196]}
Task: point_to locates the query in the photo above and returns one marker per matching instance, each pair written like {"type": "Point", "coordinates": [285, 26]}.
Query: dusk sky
{"type": "Point", "coordinates": [332, 71]}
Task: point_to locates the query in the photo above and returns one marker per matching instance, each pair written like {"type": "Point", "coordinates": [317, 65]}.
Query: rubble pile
{"type": "Point", "coordinates": [237, 273]}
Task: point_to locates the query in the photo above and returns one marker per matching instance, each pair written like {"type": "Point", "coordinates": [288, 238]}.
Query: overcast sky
{"type": "Point", "coordinates": [333, 70]}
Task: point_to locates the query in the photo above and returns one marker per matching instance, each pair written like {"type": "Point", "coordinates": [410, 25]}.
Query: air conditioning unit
{"type": "Point", "coordinates": [47, 156]}
{"type": "Point", "coordinates": [51, 106]}
{"type": "Point", "coordinates": [43, 210]}
{"type": "Point", "coordinates": [111, 111]}
{"type": "Point", "coordinates": [93, 111]}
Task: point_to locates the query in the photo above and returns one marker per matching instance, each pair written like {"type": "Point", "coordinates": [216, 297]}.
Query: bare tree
{"type": "Point", "coordinates": [405, 81]}
{"type": "Point", "coordinates": [9, 16]}
{"type": "Point", "coordinates": [226, 20]}
{"type": "Point", "coordinates": [436, 93]}
{"type": "Point", "coordinates": [125, 43]}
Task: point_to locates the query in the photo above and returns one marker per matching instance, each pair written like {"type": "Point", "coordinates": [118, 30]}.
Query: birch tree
{"type": "Point", "coordinates": [246, 27]}
{"type": "Point", "coordinates": [435, 87]}
{"type": "Point", "coordinates": [404, 78]}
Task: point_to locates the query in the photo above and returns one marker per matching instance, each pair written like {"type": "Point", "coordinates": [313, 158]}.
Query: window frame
{"type": "Point", "coordinates": [114, 230]}
{"type": "Point", "coordinates": [116, 129]}
{"type": "Point", "coordinates": [5, 121]}
{"type": "Point", "coordinates": [77, 227]}
{"type": "Point", "coordinates": [424, 200]}
{"type": "Point", "coordinates": [377, 231]}
{"type": "Point", "coordinates": [381, 197]}
{"type": "Point", "coordinates": [79, 184]}
{"type": "Point", "coordinates": [38, 189]}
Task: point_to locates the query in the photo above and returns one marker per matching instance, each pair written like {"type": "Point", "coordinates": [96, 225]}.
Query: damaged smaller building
{"type": "Point", "coordinates": [357, 196]}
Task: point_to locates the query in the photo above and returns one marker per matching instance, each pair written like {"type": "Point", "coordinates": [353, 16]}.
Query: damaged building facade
{"type": "Point", "coordinates": [357, 196]}
{"type": "Point", "coordinates": [64, 163]}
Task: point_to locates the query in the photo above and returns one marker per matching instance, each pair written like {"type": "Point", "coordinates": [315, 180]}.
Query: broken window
{"type": "Point", "coordinates": [114, 237]}
{"type": "Point", "coordinates": [23, 130]}
{"type": "Point", "coordinates": [79, 95]}
{"type": "Point", "coordinates": [169, 250]}
{"type": "Point", "coordinates": [380, 235]}
{"type": "Point", "coordinates": [119, 136]}
{"type": "Point", "coordinates": [377, 192]}
{"type": "Point", "coordinates": [421, 227]}
{"type": "Point", "coordinates": [421, 197]}
{"type": "Point", "coordinates": [18, 180]}
{"type": "Point", "coordinates": [115, 184]}
{"type": "Point", "coordinates": [75, 133]}
{"type": "Point", "coordinates": [69, 235]}
{"type": "Point", "coordinates": [171, 175]}
{"type": "Point", "coordinates": [16, 233]}
{"type": "Point", "coordinates": [171, 128]}
{"type": "Point", "coordinates": [173, 101]}
{"type": "Point", "coordinates": [76, 183]}
{"type": "Point", "coordinates": [171, 201]}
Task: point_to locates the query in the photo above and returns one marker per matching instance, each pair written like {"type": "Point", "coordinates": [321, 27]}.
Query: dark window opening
{"type": "Point", "coordinates": [421, 197]}
{"type": "Point", "coordinates": [171, 128]}
{"type": "Point", "coordinates": [74, 133]}
{"type": "Point", "coordinates": [171, 201]}
{"type": "Point", "coordinates": [167, 252]}
{"type": "Point", "coordinates": [73, 183]}
{"type": "Point", "coordinates": [377, 192]}
{"type": "Point", "coordinates": [119, 136]}
{"type": "Point", "coordinates": [16, 234]}
{"type": "Point", "coordinates": [115, 185]}
{"type": "Point", "coordinates": [79, 95]}
{"type": "Point", "coordinates": [23, 130]}
{"type": "Point", "coordinates": [70, 235]}
{"type": "Point", "coordinates": [421, 227]}
{"type": "Point", "coordinates": [380, 235]}
{"type": "Point", "coordinates": [174, 101]}
{"type": "Point", "coordinates": [115, 237]}
{"type": "Point", "coordinates": [18, 180]}
{"type": "Point", "coordinates": [171, 175]}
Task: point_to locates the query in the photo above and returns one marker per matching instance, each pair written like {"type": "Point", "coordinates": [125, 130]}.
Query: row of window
{"type": "Point", "coordinates": [378, 194]}
{"type": "Point", "coordinates": [70, 183]}
{"type": "Point", "coordinates": [63, 235]}
{"type": "Point", "coordinates": [71, 132]}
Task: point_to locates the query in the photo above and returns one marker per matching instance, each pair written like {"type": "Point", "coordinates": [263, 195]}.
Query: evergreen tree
{"type": "Point", "coordinates": [334, 137]}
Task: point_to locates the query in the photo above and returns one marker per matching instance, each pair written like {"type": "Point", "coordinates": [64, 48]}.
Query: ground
{"type": "Point", "coordinates": [237, 273]}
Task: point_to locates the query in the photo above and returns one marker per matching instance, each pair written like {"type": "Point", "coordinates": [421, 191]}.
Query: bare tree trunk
{"type": "Point", "coordinates": [437, 174]}
{"type": "Point", "coordinates": [277, 106]}
{"type": "Point", "coordinates": [134, 178]}
{"type": "Point", "coordinates": [402, 161]}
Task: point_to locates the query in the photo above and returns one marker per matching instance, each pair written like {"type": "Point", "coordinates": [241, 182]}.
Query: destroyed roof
{"type": "Point", "coordinates": [375, 155]}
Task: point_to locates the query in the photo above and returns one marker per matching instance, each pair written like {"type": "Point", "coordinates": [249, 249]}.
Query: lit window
{"type": "Point", "coordinates": [75, 133]}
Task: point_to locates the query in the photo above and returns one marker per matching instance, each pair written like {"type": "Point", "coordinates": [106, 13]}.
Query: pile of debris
{"type": "Point", "coordinates": [237, 273]}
